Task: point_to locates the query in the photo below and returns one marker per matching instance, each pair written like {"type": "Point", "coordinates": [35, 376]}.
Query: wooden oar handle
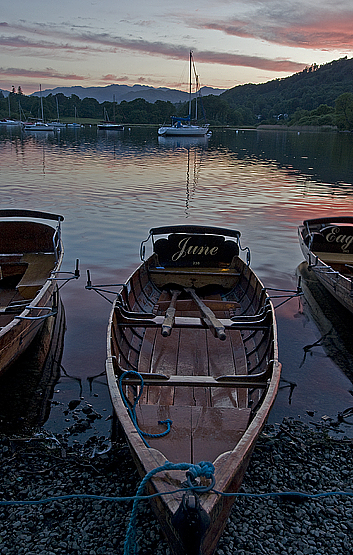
{"type": "Point", "coordinates": [210, 319]}
{"type": "Point", "coordinates": [170, 315]}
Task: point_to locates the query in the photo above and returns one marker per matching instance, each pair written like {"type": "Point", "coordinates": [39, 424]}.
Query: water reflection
{"type": "Point", "coordinates": [113, 187]}
{"type": "Point", "coordinates": [332, 320]}
{"type": "Point", "coordinates": [26, 389]}
{"type": "Point", "coordinates": [323, 157]}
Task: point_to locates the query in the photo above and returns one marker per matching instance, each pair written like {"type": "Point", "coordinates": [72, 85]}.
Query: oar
{"type": "Point", "coordinates": [209, 318]}
{"type": "Point", "coordinates": [170, 315]}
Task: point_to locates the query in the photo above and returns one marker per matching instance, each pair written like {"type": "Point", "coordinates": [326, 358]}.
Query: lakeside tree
{"type": "Point", "coordinates": [344, 111]}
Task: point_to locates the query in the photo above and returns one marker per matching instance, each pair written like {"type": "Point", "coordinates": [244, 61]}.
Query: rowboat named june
{"type": "Point", "coordinates": [193, 372]}
{"type": "Point", "coordinates": [31, 254]}
{"type": "Point", "coordinates": [327, 245]}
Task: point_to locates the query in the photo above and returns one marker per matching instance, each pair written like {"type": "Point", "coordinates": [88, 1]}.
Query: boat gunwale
{"type": "Point", "coordinates": [22, 325]}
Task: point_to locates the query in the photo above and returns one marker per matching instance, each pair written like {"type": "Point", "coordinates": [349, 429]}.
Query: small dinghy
{"type": "Point", "coordinates": [193, 372]}
{"type": "Point", "coordinates": [30, 255]}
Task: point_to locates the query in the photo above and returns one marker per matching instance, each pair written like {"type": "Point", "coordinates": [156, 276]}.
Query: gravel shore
{"type": "Point", "coordinates": [290, 457]}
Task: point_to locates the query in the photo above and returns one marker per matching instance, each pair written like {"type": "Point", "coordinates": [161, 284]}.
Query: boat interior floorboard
{"type": "Point", "coordinates": [197, 433]}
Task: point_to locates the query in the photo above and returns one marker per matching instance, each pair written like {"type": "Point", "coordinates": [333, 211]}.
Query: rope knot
{"type": "Point", "coordinates": [203, 468]}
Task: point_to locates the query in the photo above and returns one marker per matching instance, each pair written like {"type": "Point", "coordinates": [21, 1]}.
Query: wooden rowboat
{"type": "Point", "coordinates": [327, 245]}
{"type": "Point", "coordinates": [30, 255]}
{"type": "Point", "coordinates": [197, 326]}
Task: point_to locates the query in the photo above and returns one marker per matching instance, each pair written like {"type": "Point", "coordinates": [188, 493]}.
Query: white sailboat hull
{"type": "Point", "coordinates": [184, 131]}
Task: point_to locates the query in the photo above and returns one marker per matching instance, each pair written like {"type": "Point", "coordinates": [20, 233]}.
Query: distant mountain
{"type": "Point", "coordinates": [128, 93]}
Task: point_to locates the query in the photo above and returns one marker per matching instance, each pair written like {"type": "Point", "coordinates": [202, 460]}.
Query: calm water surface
{"type": "Point", "coordinates": [112, 187]}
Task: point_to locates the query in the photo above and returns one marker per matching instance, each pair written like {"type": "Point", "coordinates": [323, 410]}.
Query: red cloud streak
{"type": "Point", "coordinates": [326, 31]}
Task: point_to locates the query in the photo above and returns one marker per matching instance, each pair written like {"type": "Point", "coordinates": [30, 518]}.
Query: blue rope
{"type": "Point", "coordinates": [132, 410]}
{"type": "Point", "coordinates": [205, 469]}
{"type": "Point", "coordinates": [193, 471]}
{"type": "Point", "coordinates": [195, 488]}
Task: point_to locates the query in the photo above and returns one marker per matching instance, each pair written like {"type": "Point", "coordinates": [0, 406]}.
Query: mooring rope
{"type": "Point", "coordinates": [132, 409]}
{"type": "Point", "coordinates": [203, 469]}
{"type": "Point", "coordinates": [194, 471]}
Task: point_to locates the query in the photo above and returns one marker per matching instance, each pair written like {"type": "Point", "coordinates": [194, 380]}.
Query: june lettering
{"type": "Point", "coordinates": [188, 249]}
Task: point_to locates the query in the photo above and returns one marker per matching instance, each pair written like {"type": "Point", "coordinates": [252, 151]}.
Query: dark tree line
{"type": "Point", "coordinates": [316, 96]}
{"type": "Point", "coordinates": [136, 111]}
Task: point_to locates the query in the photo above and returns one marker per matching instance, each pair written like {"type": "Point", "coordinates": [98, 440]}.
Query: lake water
{"type": "Point", "coordinates": [112, 187]}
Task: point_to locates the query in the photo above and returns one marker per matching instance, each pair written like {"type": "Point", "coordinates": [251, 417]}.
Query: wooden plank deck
{"type": "Point", "coordinates": [206, 421]}
{"type": "Point", "coordinates": [197, 433]}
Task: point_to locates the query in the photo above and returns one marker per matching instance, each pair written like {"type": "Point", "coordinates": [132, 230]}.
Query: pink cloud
{"type": "Point", "coordinates": [111, 78]}
{"type": "Point", "coordinates": [325, 30]}
{"type": "Point", "coordinates": [39, 73]}
{"type": "Point", "coordinates": [78, 40]}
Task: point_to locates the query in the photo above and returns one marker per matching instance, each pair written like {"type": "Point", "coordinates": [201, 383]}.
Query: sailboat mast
{"type": "Point", "coordinates": [190, 77]}
{"type": "Point", "coordinates": [41, 101]}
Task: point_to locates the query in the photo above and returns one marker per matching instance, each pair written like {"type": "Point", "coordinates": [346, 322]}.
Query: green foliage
{"type": "Point", "coordinates": [323, 115]}
{"type": "Point", "coordinates": [137, 111]}
{"type": "Point", "coordinates": [306, 90]}
{"type": "Point", "coordinates": [344, 111]}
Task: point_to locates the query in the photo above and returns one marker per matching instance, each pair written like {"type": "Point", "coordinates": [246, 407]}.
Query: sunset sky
{"type": "Point", "coordinates": [100, 42]}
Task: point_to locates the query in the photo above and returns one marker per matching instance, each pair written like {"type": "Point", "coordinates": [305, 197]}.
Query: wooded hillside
{"type": "Point", "coordinates": [281, 98]}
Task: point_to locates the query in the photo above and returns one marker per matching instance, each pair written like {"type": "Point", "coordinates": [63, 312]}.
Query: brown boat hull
{"type": "Point", "coordinates": [218, 391]}
{"type": "Point", "coordinates": [30, 255]}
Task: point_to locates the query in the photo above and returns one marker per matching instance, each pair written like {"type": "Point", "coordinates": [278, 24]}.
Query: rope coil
{"type": "Point", "coordinates": [132, 409]}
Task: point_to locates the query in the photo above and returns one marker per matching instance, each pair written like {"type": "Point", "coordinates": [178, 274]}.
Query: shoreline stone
{"type": "Point", "coordinates": [289, 457]}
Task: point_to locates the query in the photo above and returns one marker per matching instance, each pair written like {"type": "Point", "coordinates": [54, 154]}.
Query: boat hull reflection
{"type": "Point", "coordinates": [26, 391]}
{"type": "Point", "coordinates": [333, 321]}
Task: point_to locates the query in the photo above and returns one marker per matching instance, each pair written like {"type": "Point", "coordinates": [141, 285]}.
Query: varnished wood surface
{"type": "Point", "coordinates": [31, 288]}
{"type": "Point", "coordinates": [219, 424]}
{"type": "Point", "coordinates": [197, 433]}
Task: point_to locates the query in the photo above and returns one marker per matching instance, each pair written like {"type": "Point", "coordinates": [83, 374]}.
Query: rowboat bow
{"type": "Point", "coordinates": [193, 371]}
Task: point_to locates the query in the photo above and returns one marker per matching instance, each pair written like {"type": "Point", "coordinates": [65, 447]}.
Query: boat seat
{"type": "Point", "coordinates": [136, 320]}
{"type": "Point", "coordinates": [189, 304]}
{"type": "Point", "coordinates": [334, 257]}
{"type": "Point", "coordinates": [233, 380]}
{"type": "Point", "coordinates": [40, 266]}
{"type": "Point", "coordinates": [199, 272]}
{"type": "Point", "coordinates": [11, 270]}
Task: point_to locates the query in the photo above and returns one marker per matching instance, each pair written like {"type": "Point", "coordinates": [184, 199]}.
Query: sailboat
{"type": "Point", "coordinates": [9, 121]}
{"type": "Point", "coordinates": [57, 124]}
{"type": "Point", "coordinates": [110, 125]}
{"type": "Point", "coordinates": [183, 126]}
{"type": "Point", "coordinates": [74, 125]}
{"type": "Point", "coordinates": [39, 125]}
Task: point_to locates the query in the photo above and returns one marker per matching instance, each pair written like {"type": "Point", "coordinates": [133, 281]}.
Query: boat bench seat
{"type": "Point", "coordinates": [40, 266]}
{"type": "Point", "coordinates": [246, 380]}
{"type": "Point", "coordinates": [334, 257]}
{"type": "Point", "coordinates": [200, 272]}
{"type": "Point", "coordinates": [12, 269]}
{"type": "Point", "coordinates": [195, 277]}
{"type": "Point", "coordinates": [145, 320]}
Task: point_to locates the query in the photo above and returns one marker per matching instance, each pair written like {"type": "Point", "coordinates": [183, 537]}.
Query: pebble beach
{"type": "Point", "coordinates": [292, 456]}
